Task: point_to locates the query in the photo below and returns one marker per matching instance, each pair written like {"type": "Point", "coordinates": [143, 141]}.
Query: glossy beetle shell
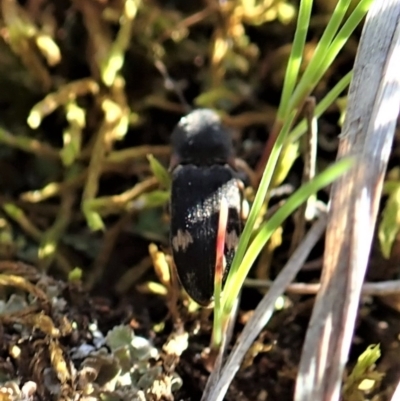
{"type": "Point", "coordinates": [195, 203]}
{"type": "Point", "coordinates": [203, 173]}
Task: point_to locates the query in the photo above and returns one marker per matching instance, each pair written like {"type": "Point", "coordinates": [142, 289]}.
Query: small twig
{"type": "Point", "coordinates": [112, 64]}
{"type": "Point", "coordinates": [137, 152]}
{"type": "Point", "coordinates": [132, 275]}
{"type": "Point", "coordinates": [28, 145]}
{"type": "Point", "coordinates": [63, 96]}
{"type": "Point", "coordinates": [103, 257]}
{"type": "Point", "coordinates": [23, 221]}
{"type": "Point", "coordinates": [382, 288]}
{"type": "Point", "coordinates": [310, 162]}
{"type": "Point", "coordinates": [106, 205]}
{"type": "Point", "coordinates": [58, 188]}
{"type": "Point", "coordinates": [282, 190]}
{"type": "Point", "coordinates": [111, 120]}
{"type": "Point", "coordinates": [20, 218]}
{"type": "Point", "coordinates": [99, 34]}
{"type": "Point", "coordinates": [309, 152]}
{"type": "Point", "coordinates": [72, 135]}
{"type": "Point", "coordinates": [315, 264]}
{"type": "Point", "coordinates": [23, 284]}
{"type": "Point", "coordinates": [50, 238]}
{"type": "Point", "coordinates": [170, 84]}
{"type": "Point", "coordinates": [264, 116]}
{"type": "Point", "coordinates": [29, 272]}
{"type": "Point", "coordinates": [24, 34]}
{"type": "Point", "coordinates": [263, 313]}
{"type": "Point", "coordinates": [54, 189]}
{"type": "Point", "coordinates": [241, 165]}
{"type": "Point", "coordinates": [188, 22]}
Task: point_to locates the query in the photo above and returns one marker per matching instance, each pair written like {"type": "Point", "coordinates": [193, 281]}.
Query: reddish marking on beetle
{"type": "Point", "coordinates": [221, 234]}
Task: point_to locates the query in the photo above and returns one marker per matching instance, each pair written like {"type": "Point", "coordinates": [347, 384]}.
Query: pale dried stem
{"type": "Point", "coordinates": [382, 288]}
{"type": "Point", "coordinates": [373, 106]}
{"type": "Point", "coordinates": [396, 394]}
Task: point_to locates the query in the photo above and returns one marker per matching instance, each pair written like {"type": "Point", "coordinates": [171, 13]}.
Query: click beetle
{"type": "Point", "coordinates": [203, 173]}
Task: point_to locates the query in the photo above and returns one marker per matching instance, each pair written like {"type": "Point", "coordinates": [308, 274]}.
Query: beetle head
{"type": "Point", "coordinates": [200, 139]}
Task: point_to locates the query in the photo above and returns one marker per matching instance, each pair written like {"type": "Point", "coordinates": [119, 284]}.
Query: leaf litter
{"type": "Point", "coordinates": [51, 337]}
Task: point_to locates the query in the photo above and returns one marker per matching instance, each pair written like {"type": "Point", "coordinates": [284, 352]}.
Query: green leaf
{"type": "Point", "coordinates": [160, 172]}
{"type": "Point", "coordinates": [390, 223]}
{"type": "Point", "coordinates": [236, 279]}
{"type": "Point", "coordinates": [75, 275]}
{"type": "Point", "coordinates": [213, 96]}
{"type": "Point", "coordinates": [289, 154]}
{"type": "Point", "coordinates": [362, 371]}
{"type": "Point", "coordinates": [93, 219]}
{"type": "Point", "coordinates": [119, 336]}
{"type": "Point", "coordinates": [152, 199]}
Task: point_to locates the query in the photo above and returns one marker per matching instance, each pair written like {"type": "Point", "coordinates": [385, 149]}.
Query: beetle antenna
{"type": "Point", "coordinates": [171, 84]}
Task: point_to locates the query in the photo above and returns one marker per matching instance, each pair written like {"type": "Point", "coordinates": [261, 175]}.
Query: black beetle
{"type": "Point", "coordinates": [203, 173]}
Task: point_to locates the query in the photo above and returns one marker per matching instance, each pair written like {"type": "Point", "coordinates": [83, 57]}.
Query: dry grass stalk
{"type": "Point", "coordinates": [368, 131]}
{"type": "Point", "coordinates": [380, 289]}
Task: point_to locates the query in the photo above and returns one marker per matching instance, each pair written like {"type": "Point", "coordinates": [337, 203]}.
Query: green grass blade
{"type": "Point", "coordinates": [296, 56]}
{"type": "Point", "coordinates": [322, 106]}
{"type": "Point", "coordinates": [267, 229]}
{"type": "Point", "coordinates": [343, 35]}
{"type": "Point", "coordinates": [260, 196]}
{"type": "Point", "coordinates": [319, 55]}
{"type": "Point", "coordinates": [316, 69]}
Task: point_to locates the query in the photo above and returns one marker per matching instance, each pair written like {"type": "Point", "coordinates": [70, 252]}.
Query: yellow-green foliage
{"type": "Point", "coordinates": [160, 172]}
{"type": "Point", "coordinates": [364, 377]}
{"type": "Point", "coordinates": [389, 226]}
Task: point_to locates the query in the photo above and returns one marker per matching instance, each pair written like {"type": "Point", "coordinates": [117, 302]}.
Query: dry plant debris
{"type": "Point", "coordinates": [52, 346]}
